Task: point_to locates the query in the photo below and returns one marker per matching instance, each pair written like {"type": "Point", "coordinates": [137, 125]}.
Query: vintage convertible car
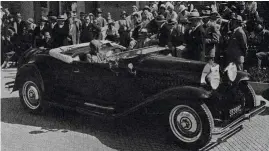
{"type": "Point", "coordinates": [201, 102]}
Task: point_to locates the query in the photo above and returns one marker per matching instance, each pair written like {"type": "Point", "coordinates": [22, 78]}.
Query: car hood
{"type": "Point", "coordinates": [170, 63]}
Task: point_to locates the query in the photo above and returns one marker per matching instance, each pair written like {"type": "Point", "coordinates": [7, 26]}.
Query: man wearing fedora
{"type": "Point", "coordinates": [212, 36]}
{"type": "Point", "coordinates": [195, 38]}
{"type": "Point", "coordinates": [60, 32]}
{"type": "Point", "coordinates": [40, 31]}
{"type": "Point", "coordinates": [20, 24]}
{"type": "Point", "coordinates": [124, 29]}
{"type": "Point", "coordinates": [237, 45]}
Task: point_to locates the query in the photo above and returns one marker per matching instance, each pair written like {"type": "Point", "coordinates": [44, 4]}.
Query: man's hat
{"type": "Point", "coordinates": [146, 8]}
{"type": "Point", "coordinates": [30, 20]}
{"type": "Point", "coordinates": [53, 17]}
{"type": "Point", "coordinates": [172, 22]}
{"type": "Point", "coordinates": [160, 18]}
{"type": "Point", "coordinates": [43, 19]}
{"type": "Point", "coordinates": [99, 10]}
{"type": "Point", "coordinates": [194, 15]}
{"type": "Point", "coordinates": [91, 14]}
{"type": "Point", "coordinates": [123, 13]}
{"type": "Point", "coordinates": [169, 5]}
{"type": "Point", "coordinates": [181, 8]}
{"type": "Point", "coordinates": [111, 22]}
{"type": "Point", "coordinates": [237, 18]}
{"type": "Point", "coordinates": [18, 15]}
{"type": "Point", "coordinates": [136, 14]}
{"type": "Point", "coordinates": [162, 6]}
{"type": "Point", "coordinates": [134, 7]}
{"type": "Point", "coordinates": [215, 15]}
{"type": "Point", "coordinates": [61, 17]}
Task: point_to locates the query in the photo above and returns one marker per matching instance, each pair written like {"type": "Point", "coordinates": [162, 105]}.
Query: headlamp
{"type": "Point", "coordinates": [231, 71]}
{"type": "Point", "coordinates": [211, 76]}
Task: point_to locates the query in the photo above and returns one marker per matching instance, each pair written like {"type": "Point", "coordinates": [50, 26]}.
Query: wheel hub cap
{"type": "Point", "coordinates": [185, 123]}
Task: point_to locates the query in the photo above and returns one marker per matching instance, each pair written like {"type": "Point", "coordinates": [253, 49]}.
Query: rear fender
{"type": "Point", "coordinates": [25, 71]}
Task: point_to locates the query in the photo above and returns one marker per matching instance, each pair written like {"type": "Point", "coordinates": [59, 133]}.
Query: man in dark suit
{"type": "Point", "coordinates": [20, 24]}
{"type": "Point", "coordinates": [163, 32]}
{"type": "Point", "coordinates": [89, 31]}
{"type": "Point", "coordinates": [40, 31]}
{"type": "Point", "coordinates": [195, 38]}
{"type": "Point", "coordinates": [47, 41]}
{"type": "Point", "coordinates": [60, 33]}
{"type": "Point", "coordinates": [237, 46]}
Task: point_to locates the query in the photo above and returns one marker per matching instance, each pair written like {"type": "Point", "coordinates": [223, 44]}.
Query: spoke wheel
{"type": "Point", "coordinates": [31, 95]}
{"type": "Point", "coordinates": [185, 123]}
{"type": "Point", "coordinates": [191, 124]}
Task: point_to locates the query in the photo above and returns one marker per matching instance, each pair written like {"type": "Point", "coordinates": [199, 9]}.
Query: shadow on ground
{"type": "Point", "coordinates": [137, 133]}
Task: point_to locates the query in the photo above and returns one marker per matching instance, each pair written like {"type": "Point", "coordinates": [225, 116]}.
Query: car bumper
{"type": "Point", "coordinates": [221, 134]}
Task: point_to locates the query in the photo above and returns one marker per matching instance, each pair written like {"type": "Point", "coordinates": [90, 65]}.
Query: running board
{"type": "Point", "coordinates": [99, 106]}
{"type": "Point", "coordinates": [221, 134]}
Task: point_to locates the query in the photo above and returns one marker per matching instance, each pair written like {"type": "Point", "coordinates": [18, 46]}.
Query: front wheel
{"type": "Point", "coordinates": [31, 95]}
{"type": "Point", "coordinates": [191, 124]}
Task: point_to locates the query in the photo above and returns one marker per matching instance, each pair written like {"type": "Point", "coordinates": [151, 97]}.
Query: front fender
{"type": "Point", "coordinates": [25, 71]}
{"type": "Point", "coordinates": [175, 94]}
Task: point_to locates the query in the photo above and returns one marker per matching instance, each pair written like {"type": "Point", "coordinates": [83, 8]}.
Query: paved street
{"type": "Point", "coordinates": [66, 130]}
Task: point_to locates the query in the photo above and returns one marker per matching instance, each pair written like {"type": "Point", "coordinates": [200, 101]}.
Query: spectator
{"type": "Point", "coordinates": [225, 11]}
{"type": "Point", "coordinates": [212, 37]}
{"type": "Point", "coordinates": [182, 13]}
{"type": "Point", "coordinates": [173, 36]}
{"type": "Point", "coordinates": [20, 24]}
{"type": "Point", "coordinates": [101, 22]}
{"type": "Point", "coordinates": [90, 31]}
{"type": "Point", "coordinates": [60, 32]}
{"type": "Point", "coordinates": [109, 17]}
{"type": "Point", "coordinates": [92, 18]}
{"type": "Point", "coordinates": [163, 11]}
{"type": "Point", "coordinates": [82, 17]}
{"type": "Point", "coordinates": [47, 41]}
{"type": "Point", "coordinates": [145, 19]}
{"type": "Point", "coordinates": [195, 38]}
{"type": "Point", "coordinates": [124, 30]}
{"type": "Point", "coordinates": [31, 25]}
{"type": "Point", "coordinates": [40, 30]}
{"type": "Point", "coordinates": [153, 6]}
{"type": "Point", "coordinates": [52, 23]}
{"type": "Point", "coordinates": [237, 45]}
{"type": "Point", "coordinates": [171, 13]}
{"type": "Point", "coordinates": [147, 11]}
{"type": "Point", "coordinates": [74, 29]}
{"type": "Point", "coordinates": [111, 32]}
{"type": "Point", "coordinates": [8, 48]}
{"type": "Point", "coordinates": [163, 31]}
{"type": "Point", "coordinates": [139, 35]}
{"type": "Point", "coordinates": [262, 43]}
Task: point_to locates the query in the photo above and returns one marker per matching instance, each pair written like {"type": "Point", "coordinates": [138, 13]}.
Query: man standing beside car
{"type": "Point", "coordinates": [237, 45]}
{"type": "Point", "coordinates": [195, 38]}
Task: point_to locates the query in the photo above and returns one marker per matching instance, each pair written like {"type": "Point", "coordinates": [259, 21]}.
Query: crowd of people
{"type": "Point", "coordinates": [221, 31]}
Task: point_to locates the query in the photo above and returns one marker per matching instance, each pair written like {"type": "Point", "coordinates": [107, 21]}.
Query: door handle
{"type": "Point", "coordinates": [75, 70]}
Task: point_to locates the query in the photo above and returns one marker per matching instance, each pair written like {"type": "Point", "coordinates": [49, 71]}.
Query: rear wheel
{"type": "Point", "coordinates": [191, 124]}
{"type": "Point", "coordinates": [31, 95]}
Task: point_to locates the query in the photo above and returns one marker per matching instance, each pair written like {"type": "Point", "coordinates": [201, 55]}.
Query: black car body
{"type": "Point", "coordinates": [198, 99]}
